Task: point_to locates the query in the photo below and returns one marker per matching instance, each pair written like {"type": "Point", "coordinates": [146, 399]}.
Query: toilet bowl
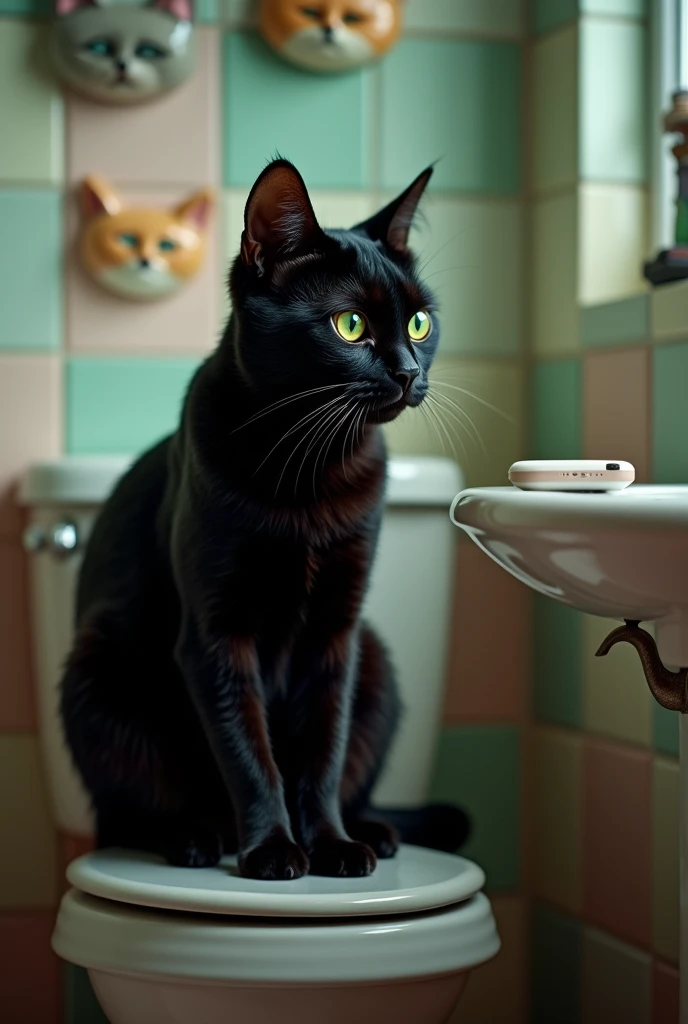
{"type": "Point", "coordinates": [204, 946]}
{"type": "Point", "coordinates": [173, 945]}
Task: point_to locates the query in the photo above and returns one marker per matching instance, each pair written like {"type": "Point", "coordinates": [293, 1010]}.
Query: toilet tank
{"type": "Point", "coordinates": [409, 602]}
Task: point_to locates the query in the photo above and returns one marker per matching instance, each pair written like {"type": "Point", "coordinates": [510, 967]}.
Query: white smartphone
{"type": "Point", "coordinates": [572, 475]}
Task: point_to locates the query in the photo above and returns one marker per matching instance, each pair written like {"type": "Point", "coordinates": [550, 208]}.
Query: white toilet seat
{"type": "Point", "coordinates": [418, 915]}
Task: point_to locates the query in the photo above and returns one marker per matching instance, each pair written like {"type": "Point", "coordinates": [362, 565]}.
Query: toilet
{"type": "Point", "coordinates": [172, 945]}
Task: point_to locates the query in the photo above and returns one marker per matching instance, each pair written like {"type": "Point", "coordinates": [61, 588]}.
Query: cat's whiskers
{"type": "Point", "coordinates": [436, 409]}
{"type": "Point", "coordinates": [304, 419]}
{"type": "Point", "coordinates": [287, 401]}
{"type": "Point", "coordinates": [476, 398]}
{"type": "Point", "coordinates": [323, 426]}
{"type": "Point", "coordinates": [349, 429]}
{"type": "Point", "coordinates": [328, 441]}
{"type": "Point", "coordinates": [311, 429]}
{"type": "Point", "coordinates": [447, 408]}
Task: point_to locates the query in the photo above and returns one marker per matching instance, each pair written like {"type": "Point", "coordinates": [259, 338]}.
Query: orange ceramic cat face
{"type": "Point", "coordinates": [330, 35]}
{"type": "Point", "coordinates": [137, 252]}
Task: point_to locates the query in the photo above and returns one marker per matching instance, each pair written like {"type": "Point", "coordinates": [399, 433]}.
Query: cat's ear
{"type": "Point", "coordinates": [182, 10]}
{"type": "Point", "coordinates": [196, 209]}
{"type": "Point", "coordinates": [97, 197]}
{"type": "Point", "coordinates": [392, 224]}
{"type": "Point", "coordinates": [279, 222]}
{"type": "Point", "coordinates": [63, 7]}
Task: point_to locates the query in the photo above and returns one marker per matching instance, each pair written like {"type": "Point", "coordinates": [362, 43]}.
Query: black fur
{"type": "Point", "coordinates": [222, 691]}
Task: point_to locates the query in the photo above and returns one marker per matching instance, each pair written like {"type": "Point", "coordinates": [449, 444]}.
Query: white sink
{"type": "Point", "coordinates": [621, 555]}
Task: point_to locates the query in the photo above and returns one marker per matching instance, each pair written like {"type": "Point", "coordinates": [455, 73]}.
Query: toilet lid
{"type": "Point", "coordinates": [416, 879]}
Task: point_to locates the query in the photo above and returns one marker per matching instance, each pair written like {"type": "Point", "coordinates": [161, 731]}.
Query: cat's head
{"type": "Point", "coordinates": [330, 35]}
{"type": "Point", "coordinates": [340, 310]}
{"type": "Point", "coordinates": [124, 53]}
{"type": "Point", "coordinates": [141, 252]}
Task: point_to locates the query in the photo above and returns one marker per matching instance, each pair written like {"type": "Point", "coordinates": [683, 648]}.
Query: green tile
{"type": "Point", "coordinates": [123, 405]}
{"type": "Point", "coordinates": [207, 12]}
{"type": "Point", "coordinates": [320, 122]}
{"type": "Point", "coordinates": [81, 1005]}
{"type": "Point", "coordinates": [613, 101]}
{"type": "Point", "coordinates": [485, 17]}
{"type": "Point", "coordinates": [616, 8]}
{"type": "Point", "coordinates": [555, 110]}
{"type": "Point", "coordinates": [616, 323]}
{"type": "Point", "coordinates": [479, 768]}
{"type": "Point", "coordinates": [558, 685]}
{"type": "Point", "coordinates": [556, 967]}
{"type": "Point", "coordinates": [670, 373]}
{"type": "Point", "coordinates": [455, 101]}
{"type": "Point", "coordinates": [30, 270]}
{"type": "Point", "coordinates": [26, 8]}
{"type": "Point", "coordinates": [549, 14]}
{"type": "Point", "coordinates": [557, 410]}
{"type": "Point", "coordinates": [31, 108]}
{"type": "Point", "coordinates": [665, 730]}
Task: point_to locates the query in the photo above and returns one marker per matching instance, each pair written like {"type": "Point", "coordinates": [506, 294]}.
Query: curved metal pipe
{"type": "Point", "coordinates": [670, 689]}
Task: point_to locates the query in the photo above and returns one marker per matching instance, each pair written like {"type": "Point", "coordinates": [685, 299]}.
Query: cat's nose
{"type": "Point", "coordinates": [120, 65]}
{"type": "Point", "coordinates": [144, 263]}
{"type": "Point", "coordinates": [328, 33]}
{"type": "Point", "coordinates": [405, 376]}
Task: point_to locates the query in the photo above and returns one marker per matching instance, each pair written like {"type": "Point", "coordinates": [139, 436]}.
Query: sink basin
{"type": "Point", "coordinates": [621, 555]}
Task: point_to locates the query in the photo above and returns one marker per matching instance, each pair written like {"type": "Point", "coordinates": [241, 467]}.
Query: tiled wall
{"type": "Point", "coordinates": [82, 372]}
{"type": "Point", "coordinates": [610, 363]}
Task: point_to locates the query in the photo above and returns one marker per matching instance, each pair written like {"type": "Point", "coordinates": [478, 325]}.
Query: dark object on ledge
{"type": "Point", "coordinates": [670, 265]}
{"type": "Point", "coordinates": [436, 826]}
{"type": "Point", "coordinates": [670, 689]}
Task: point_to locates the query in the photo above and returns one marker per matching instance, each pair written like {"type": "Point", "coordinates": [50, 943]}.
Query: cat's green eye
{"type": "Point", "coordinates": [350, 325]}
{"type": "Point", "coordinates": [149, 51]}
{"type": "Point", "coordinates": [311, 12]}
{"type": "Point", "coordinates": [100, 47]}
{"type": "Point", "coordinates": [419, 326]}
{"type": "Point", "coordinates": [166, 245]}
{"type": "Point", "coordinates": [352, 19]}
{"type": "Point", "coordinates": [131, 241]}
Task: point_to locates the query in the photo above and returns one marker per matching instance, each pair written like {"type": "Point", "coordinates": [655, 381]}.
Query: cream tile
{"type": "Point", "coordinates": [669, 312]}
{"type": "Point", "coordinates": [472, 255]}
{"type": "Point", "coordinates": [616, 699]}
{"type": "Point", "coordinates": [616, 981]}
{"type": "Point", "coordinates": [31, 113]}
{"type": "Point", "coordinates": [496, 18]}
{"type": "Point", "coordinates": [30, 425]}
{"type": "Point", "coordinates": [665, 858]}
{"type": "Point", "coordinates": [497, 992]}
{"type": "Point", "coordinates": [28, 852]}
{"type": "Point", "coordinates": [497, 437]}
{"type": "Point", "coordinates": [612, 223]}
{"type": "Point", "coordinates": [188, 321]}
{"type": "Point", "coordinates": [555, 261]}
{"type": "Point", "coordinates": [556, 839]}
{"type": "Point", "coordinates": [177, 148]}
{"type": "Point", "coordinates": [555, 95]}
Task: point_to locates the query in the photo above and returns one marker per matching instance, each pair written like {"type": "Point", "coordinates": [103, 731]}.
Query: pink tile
{"type": "Point", "coordinates": [617, 833]}
{"type": "Point", "coordinates": [185, 322]}
{"type": "Point", "coordinates": [29, 970]}
{"type": "Point", "coordinates": [70, 847]}
{"type": "Point", "coordinates": [478, 687]}
{"type": "Point", "coordinates": [617, 407]}
{"type": "Point", "coordinates": [665, 995]}
{"type": "Point", "coordinates": [30, 425]}
{"type": "Point", "coordinates": [170, 143]}
{"type": "Point", "coordinates": [16, 691]}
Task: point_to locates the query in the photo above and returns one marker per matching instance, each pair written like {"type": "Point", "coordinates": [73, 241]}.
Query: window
{"type": "Point", "coordinates": [669, 61]}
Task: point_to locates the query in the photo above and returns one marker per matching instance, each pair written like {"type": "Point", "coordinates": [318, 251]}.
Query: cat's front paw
{"type": "Point", "coordinates": [277, 859]}
{"type": "Point", "coordinates": [341, 858]}
{"type": "Point", "coordinates": [380, 836]}
{"type": "Point", "coordinates": [198, 848]}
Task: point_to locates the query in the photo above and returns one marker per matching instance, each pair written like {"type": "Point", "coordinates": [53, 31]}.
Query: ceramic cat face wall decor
{"type": "Point", "coordinates": [141, 252]}
{"type": "Point", "coordinates": [124, 52]}
{"type": "Point", "coordinates": [330, 35]}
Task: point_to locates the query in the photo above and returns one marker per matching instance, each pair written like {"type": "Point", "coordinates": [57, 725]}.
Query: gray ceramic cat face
{"type": "Point", "coordinates": [124, 53]}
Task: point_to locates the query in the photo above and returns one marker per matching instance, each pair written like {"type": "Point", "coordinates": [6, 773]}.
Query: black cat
{"type": "Point", "coordinates": [222, 691]}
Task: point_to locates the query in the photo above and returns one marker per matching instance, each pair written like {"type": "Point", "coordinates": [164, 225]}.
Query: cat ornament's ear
{"type": "Point", "coordinates": [123, 53]}
{"type": "Point", "coordinates": [279, 222]}
{"type": "Point", "coordinates": [330, 36]}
